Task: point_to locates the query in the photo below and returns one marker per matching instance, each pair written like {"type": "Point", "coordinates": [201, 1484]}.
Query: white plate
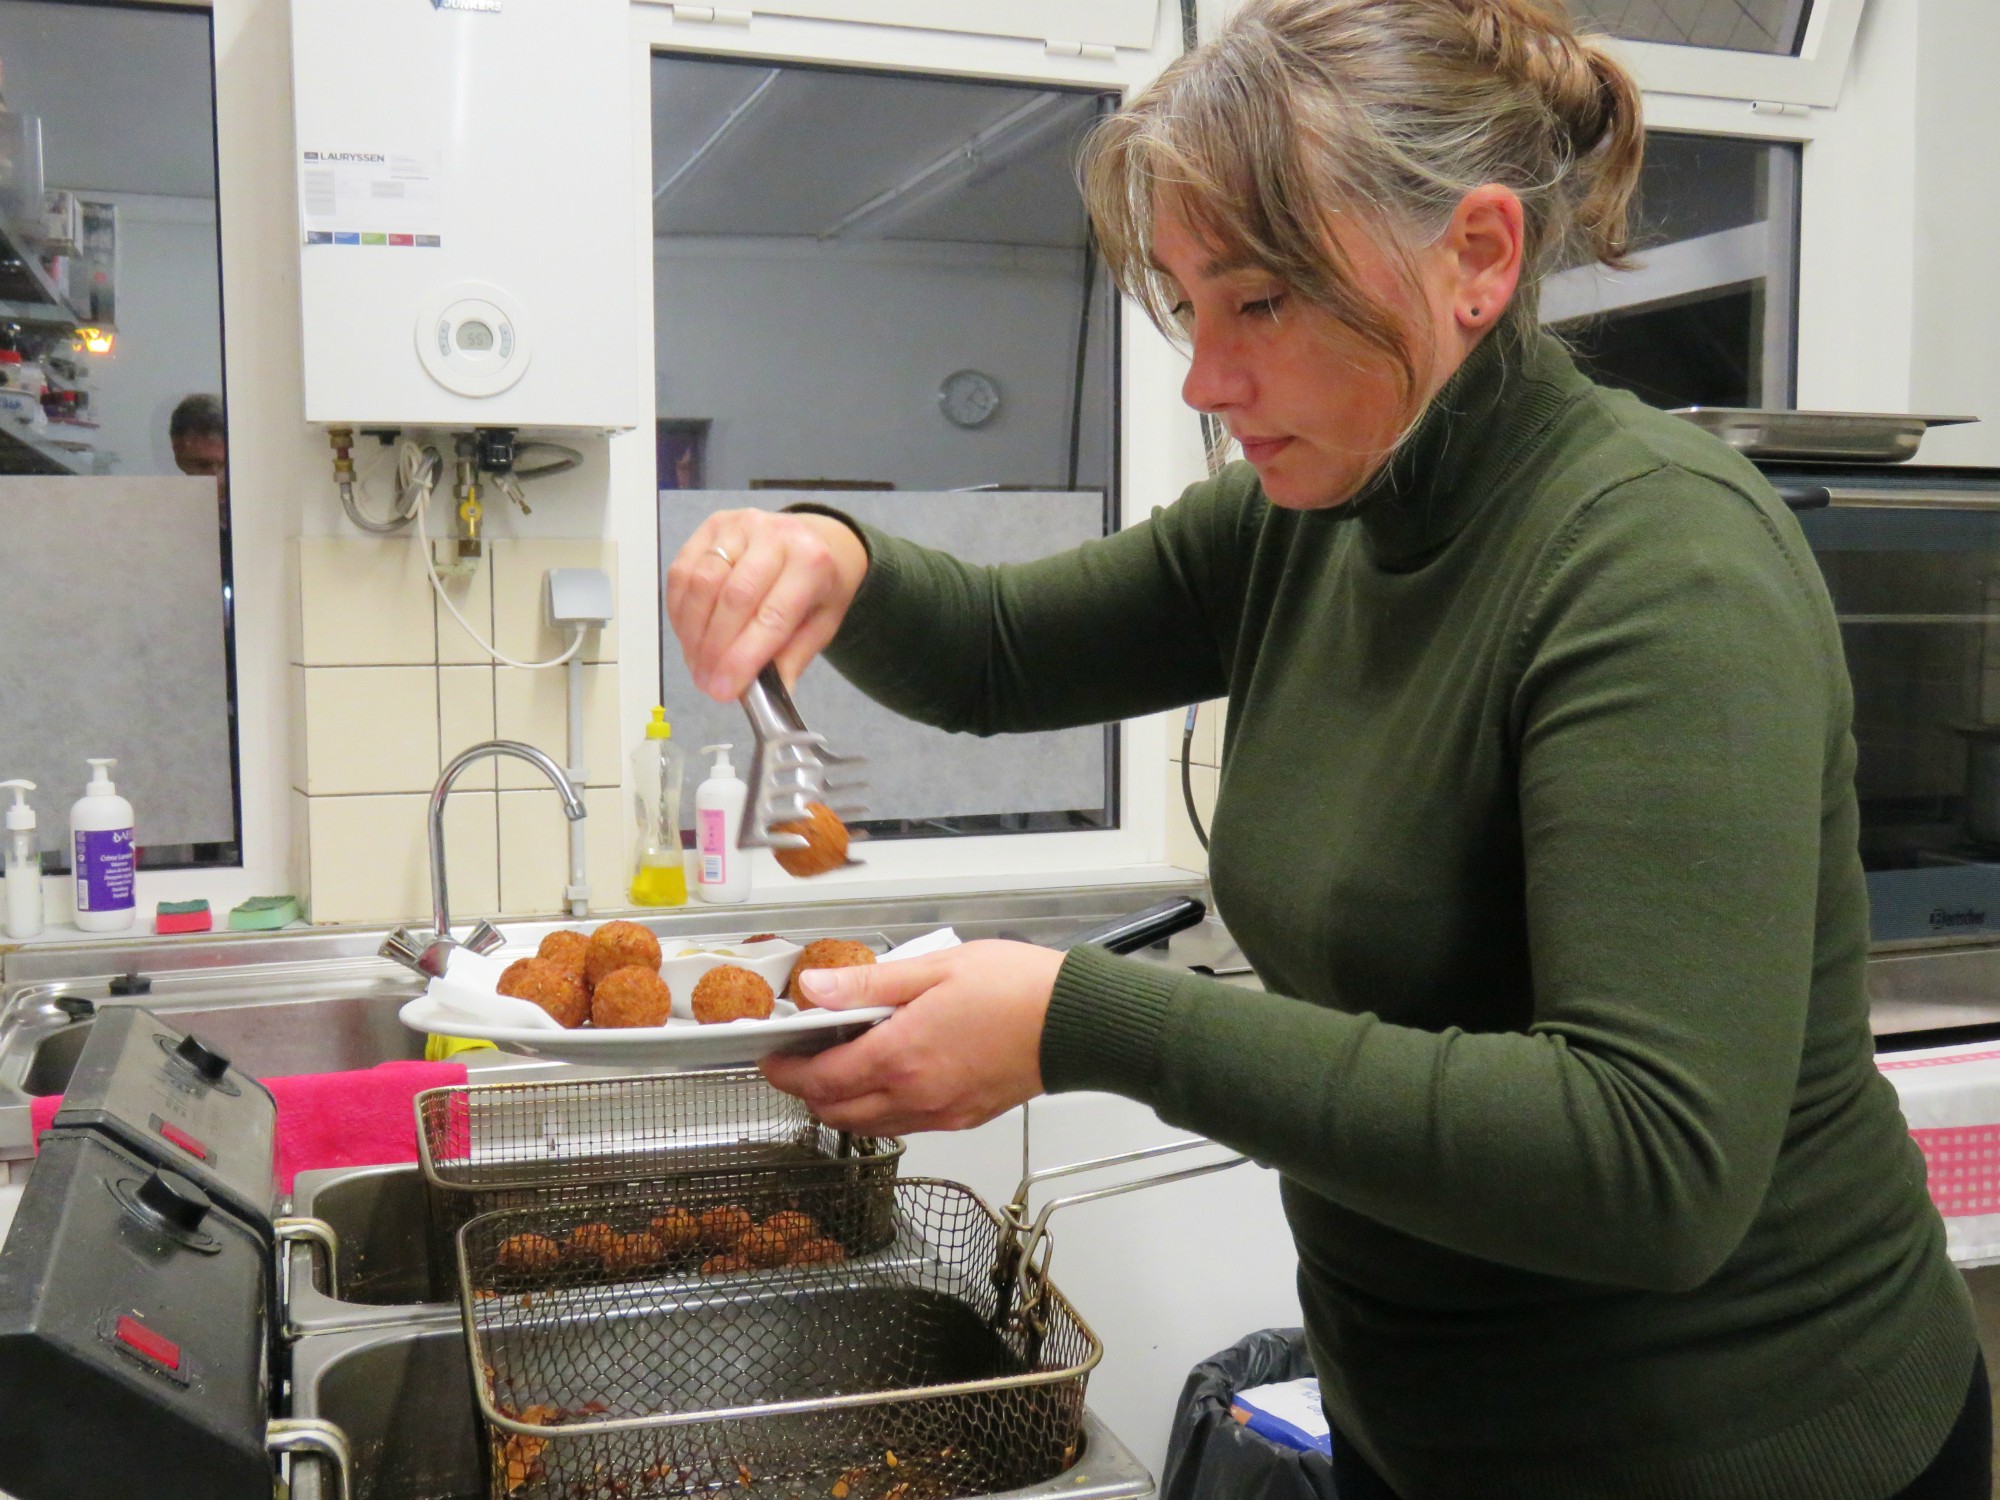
{"type": "Point", "coordinates": [677, 1047]}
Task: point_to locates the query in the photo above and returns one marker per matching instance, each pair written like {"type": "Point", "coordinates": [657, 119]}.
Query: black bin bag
{"type": "Point", "coordinates": [1212, 1456]}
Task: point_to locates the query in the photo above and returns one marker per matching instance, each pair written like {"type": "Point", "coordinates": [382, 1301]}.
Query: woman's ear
{"type": "Point", "coordinates": [1484, 245]}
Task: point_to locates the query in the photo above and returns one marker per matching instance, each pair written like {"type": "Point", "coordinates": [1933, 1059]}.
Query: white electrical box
{"type": "Point", "coordinates": [467, 252]}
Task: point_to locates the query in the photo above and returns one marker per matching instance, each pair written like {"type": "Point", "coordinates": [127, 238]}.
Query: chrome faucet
{"type": "Point", "coordinates": [429, 958]}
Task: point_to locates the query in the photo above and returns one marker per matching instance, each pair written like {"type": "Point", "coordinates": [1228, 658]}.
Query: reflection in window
{"type": "Point", "coordinates": [1708, 316]}
{"type": "Point", "coordinates": [1773, 26]}
{"type": "Point", "coordinates": [113, 443]}
{"type": "Point", "coordinates": [881, 291]}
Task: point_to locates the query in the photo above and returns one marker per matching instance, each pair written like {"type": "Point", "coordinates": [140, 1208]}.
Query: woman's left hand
{"type": "Point", "coordinates": [964, 1046]}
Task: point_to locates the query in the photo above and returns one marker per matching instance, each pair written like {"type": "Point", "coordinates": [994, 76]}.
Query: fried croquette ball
{"type": "Point", "coordinates": [762, 1245]}
{"type": "Point", "coordinates": [761, 937]}
{"type": "Point", "coordinates": [826, 842]}
{"type": "Point", "coordinates": [676, 1229]}
{"type": "Point", "coordinates": [619, 945]}
{"type": "Point", "coordinates": [595, 1240]}
{"type": "Point", "coordinates": [795, 1226]}
{"type": "Point", "coordinates": [566, 948]}
{"type": "Point", "coordinates": [723, 1226]}
{"type": "Point", "coordinates": [826, 953]}
{"type": "Point", "coordinates": [631, 997]}
{"type": "Point", "coordinates": [717, 1265]}
{"type": "Point", "coordinates": [729, 992]}
{"type": "Point", "coordinates": [528, 1252]}
{"type": "Point", "coordinates": [635, 1252]}
{"type": "Point", "coordinates": [548, 985]}
{"type": "Point", "coordinates": [817, 1253]}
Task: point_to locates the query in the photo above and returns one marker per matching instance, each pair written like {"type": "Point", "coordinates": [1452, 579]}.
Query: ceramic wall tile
{"type": "Point", "coordinates": [363, 602]}
{"type": "Point", "coordinates": [534, 852]}
{"type": "Point", "coordinates": [534, 707]}
{"type": "Point", "coordinates": [520, 611]}
{"type": "Point", "coordinates": [472, 597]}
{"type": "Point", "coordinates": [370, 729]}
{"type": "Point", "coordinates": [465, 717]}
{"type": "Point", "coordinates": [371, 863]}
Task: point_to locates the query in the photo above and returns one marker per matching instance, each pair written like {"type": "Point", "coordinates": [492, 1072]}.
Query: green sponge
{"type": "Point", "coordinates": [264, 914]}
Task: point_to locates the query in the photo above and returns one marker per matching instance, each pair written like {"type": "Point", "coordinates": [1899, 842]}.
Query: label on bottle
{"type": "Point", "coordinates": [712, 840]}
{"type": "Point", "coordinates": [104, 869]}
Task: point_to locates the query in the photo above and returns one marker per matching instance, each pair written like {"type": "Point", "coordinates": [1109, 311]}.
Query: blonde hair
{"type": "Point", "coordinates": [1388, 111]}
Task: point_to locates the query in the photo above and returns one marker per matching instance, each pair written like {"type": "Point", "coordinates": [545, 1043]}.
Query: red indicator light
{"type": "Point", "coordinates": [161, 1351]}
{"type": "Point", "coordinates": [183, 1140]}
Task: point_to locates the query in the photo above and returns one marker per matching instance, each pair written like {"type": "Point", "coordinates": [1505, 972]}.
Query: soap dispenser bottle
{"type": "Point", "coordinates": [658, 876]}
{"type": "Point", "coordinates": [23, 864]}
{"type": "Point", "coordinates": [722, 872]}
{"type": "Point", "coordinates": [100, 822]}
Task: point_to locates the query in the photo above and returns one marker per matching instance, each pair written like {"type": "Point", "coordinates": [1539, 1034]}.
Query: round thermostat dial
{"type": "Point", "coordinates": [969, 398]}
{"type": "Point", "coordinates": [471, 340]}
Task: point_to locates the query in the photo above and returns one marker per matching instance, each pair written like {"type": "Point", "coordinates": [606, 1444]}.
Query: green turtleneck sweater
{"type": "Point", "coordinates": [1537, 821]}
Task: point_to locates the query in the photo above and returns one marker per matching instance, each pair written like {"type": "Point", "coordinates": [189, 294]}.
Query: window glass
{"type": "Point", "coordinates": [113, 440]}
{"type": "Point", "coordinates": [1773, 26]}
{"type": "Point", "coordinates": [1708, 314]}
{"type": "Point", "coordinates": [880, 292]}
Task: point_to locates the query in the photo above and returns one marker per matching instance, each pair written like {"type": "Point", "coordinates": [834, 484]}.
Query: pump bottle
{"type": "Point", "coordinates": [658, 876]}
{"type": "Point", "coordinates": [100, 822]}
{"type": "Point", "coordinates": [722, 872]}
{"type": "Point", "coordinates": [23, 864]}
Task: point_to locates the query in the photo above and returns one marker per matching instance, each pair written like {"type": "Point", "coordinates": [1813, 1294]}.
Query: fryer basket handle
{"type": "Point", "coordinates": [1024, 1254]}
{"type": "Point", "coordinates": [313, 1438]}
{"type": "Point", "coordinates": [315, 1234]}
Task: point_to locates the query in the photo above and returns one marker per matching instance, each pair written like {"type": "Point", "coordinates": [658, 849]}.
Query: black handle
{"type": "Point", "coordinates": [1141, 929]}
{"type": "Point", "coordinates": [1805, 496]}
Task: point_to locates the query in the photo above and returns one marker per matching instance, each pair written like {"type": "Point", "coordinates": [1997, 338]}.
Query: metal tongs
{"type": "Point", "coordinates": [788, 769]}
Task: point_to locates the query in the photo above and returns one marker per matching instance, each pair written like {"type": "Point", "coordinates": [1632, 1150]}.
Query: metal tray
{"type": "Point", "coordinates": [1860, 437]}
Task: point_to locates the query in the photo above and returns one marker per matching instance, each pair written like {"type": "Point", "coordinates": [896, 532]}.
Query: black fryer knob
{"type": "Point", "coordinates": [204, 1059]}
{"type": "Point", "coordinates": [176, 1200]}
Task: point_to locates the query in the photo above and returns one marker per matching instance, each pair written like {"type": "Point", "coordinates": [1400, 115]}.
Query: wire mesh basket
{"type": "Point", "coordinates": [519, 1145]}
{"type": "Point", "coordinates": [735, 1342]}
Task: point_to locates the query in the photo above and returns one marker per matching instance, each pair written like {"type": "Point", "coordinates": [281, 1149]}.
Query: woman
{"type": "Point", "coordinates": [1536, 817]}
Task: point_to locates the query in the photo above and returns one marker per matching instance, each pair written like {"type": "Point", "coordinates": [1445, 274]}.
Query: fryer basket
{"type": "Point", "coordinates": [515, 1145]}
{"type": "Point", "coordinates": [937, 1363]}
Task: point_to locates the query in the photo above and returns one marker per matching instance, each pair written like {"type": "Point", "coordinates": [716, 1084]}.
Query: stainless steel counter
{"type": "Point", "coordinates": [321, 1000]}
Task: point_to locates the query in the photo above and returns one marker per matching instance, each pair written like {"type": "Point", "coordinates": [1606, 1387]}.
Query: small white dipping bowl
{"type": "Point", "coordinates": [682, 964]}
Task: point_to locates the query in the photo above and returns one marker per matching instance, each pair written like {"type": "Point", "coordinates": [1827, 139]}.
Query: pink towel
{"type": "Point", "coordinates": [361, 1118]}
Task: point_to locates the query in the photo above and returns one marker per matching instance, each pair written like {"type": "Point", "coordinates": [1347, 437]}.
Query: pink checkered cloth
{"type": "Point", "coordinates": [1951, 1098]}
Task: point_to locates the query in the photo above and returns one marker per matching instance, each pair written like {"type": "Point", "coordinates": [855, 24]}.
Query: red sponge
{"type": "Point", "coordinates": [183, 916]}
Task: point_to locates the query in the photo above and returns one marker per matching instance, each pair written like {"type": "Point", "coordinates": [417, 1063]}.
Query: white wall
{"type": "Point", "coordinates": [824, 361]}
{"type": "Point", "coordinates": [169, 342]}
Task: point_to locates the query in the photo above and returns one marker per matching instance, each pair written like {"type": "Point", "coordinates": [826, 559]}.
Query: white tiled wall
{"type": "Point", "coordinates": [388, 687]}
{"type": "Point", "coordinates": [1205, 759]}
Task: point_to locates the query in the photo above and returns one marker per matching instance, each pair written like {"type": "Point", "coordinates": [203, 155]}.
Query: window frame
{"type": "Point", "coordinates": [1813, 77]}
{"type": "Point", "coordinates": [1092, 23]}
{"type": "Point", "coordinates": [1158, 453]}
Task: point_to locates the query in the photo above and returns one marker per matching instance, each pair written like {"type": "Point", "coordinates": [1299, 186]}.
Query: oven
{"type": "Point", "coordinates": [1911, 557]}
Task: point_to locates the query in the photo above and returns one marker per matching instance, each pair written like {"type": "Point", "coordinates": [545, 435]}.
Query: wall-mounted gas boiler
{"type": "Point", "coordinates": [466, 241]}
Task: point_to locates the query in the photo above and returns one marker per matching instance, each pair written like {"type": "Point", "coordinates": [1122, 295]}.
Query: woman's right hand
{"type": "Point", "coordinates": [757, 586]}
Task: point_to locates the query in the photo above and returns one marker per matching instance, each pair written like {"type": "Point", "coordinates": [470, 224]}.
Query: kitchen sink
{"type": "Point", "coordinates": [322, 1000]}
{"type": "Point", "coordinates": [403, 1397]}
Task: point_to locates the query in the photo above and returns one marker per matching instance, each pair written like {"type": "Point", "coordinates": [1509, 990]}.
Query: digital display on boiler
{"type": "Point", "coordinates": [474, 336]}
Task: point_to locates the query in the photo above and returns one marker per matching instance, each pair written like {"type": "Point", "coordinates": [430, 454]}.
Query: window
{"type": "Point", "coordinates": [881, 291]}
{"type": "Point", "coordinates": [1777, 51]}
{"type": "Point", "coordinates": [113, 447]}
{"type": "Point", "coordinates": [1708, 317]}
